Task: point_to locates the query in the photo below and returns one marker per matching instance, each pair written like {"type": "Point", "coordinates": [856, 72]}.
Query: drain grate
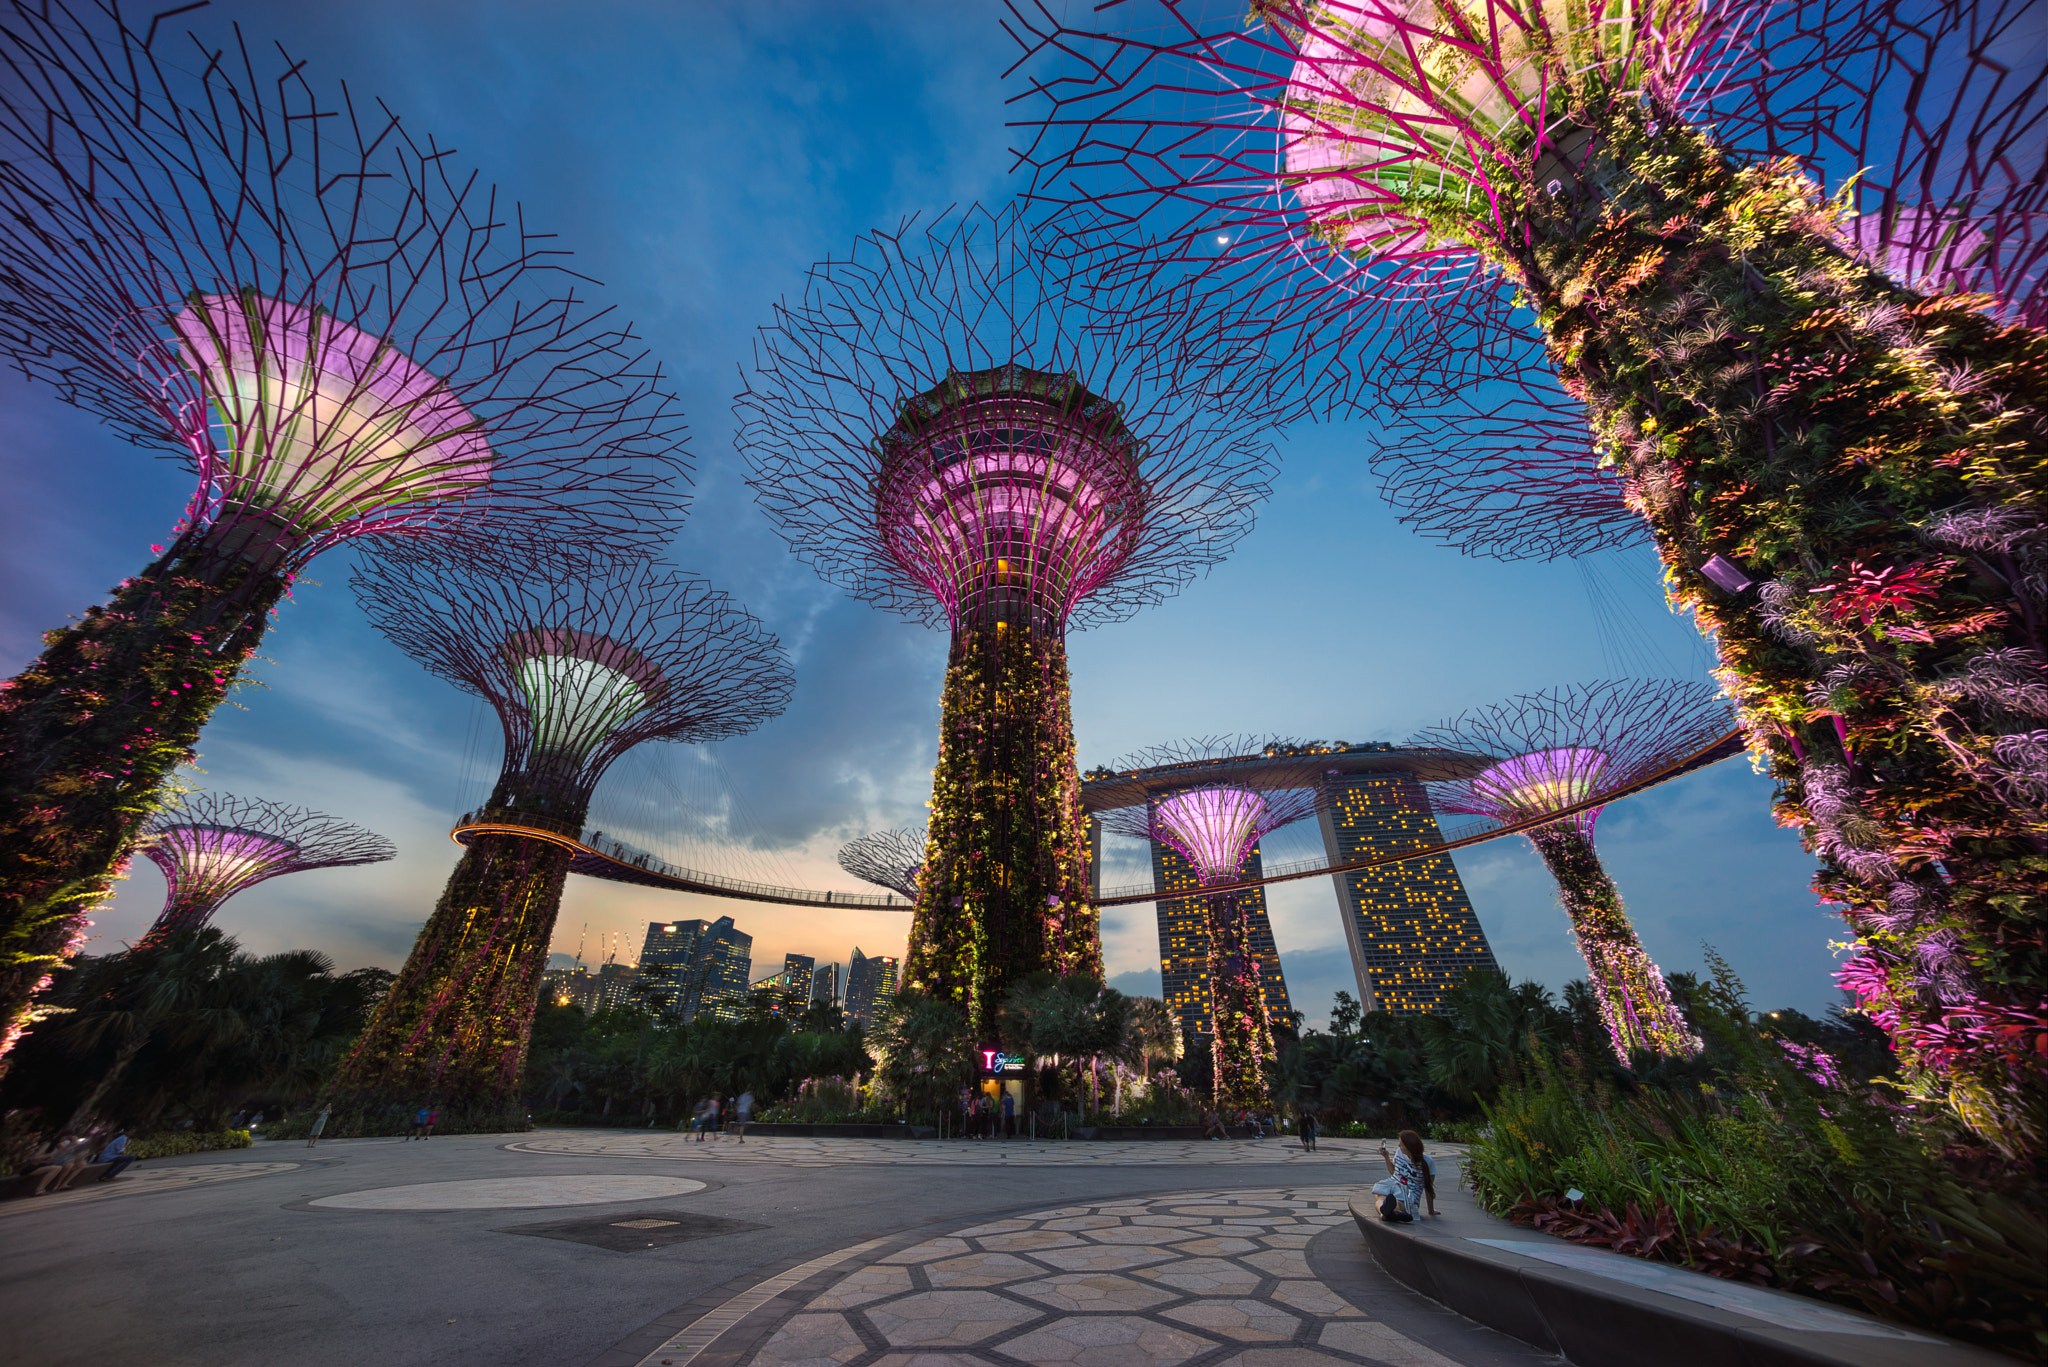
{"type": "Point", "coordinates": [654, 1229]}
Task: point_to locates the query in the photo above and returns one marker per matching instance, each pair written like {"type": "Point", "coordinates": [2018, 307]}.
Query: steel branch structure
{"type": "Point", "coordinates": [888, 859]}
{"type": "Point", "coordinates": [940, 429]}
{"type": "Point", "coordinates": [1556, 751]}
{"type": "Point", "coordinates": [582, 660]}
{"type": "Point", "coordinates": [1215, 827]}
{"type": "Point", "coordinates": [1788, 260]}
{"type": "Point", "coordinates": [215, 845]}
{"type": "Point", "coordinates": [341, 332]}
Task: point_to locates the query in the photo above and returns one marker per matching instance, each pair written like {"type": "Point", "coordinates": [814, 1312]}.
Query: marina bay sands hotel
{"type": "Point", "coordinates": [1409, 926]}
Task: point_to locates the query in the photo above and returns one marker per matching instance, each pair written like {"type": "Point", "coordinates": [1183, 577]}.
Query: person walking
{"type": "Point", "coordinates": [319, 1125]}
{"type": "Point", "coordinates": [710, 1124]}
{"type": "Point", "coordinates": [419, 1125]}
{"type": "Point", "coordinates": [1308, 1131]}
{"type": "Point", "coordinates": [433, 1119]}
{"type": "Point", "coordinates": [743, 1113]}
{"type": "Point", "coordinates": [696, 1121]}
{"type": "Point", "coordinates": [1009, 1116]}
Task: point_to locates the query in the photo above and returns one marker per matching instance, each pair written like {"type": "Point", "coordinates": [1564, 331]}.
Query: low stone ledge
{"type": "Point", "coordinates": [1596, 1320]}
{"type": "Point", "coordinates": [793, 1130]}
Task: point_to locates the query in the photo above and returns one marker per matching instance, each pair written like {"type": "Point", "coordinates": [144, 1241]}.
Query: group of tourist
{"type": "Point", "coordinates": [708, 1117]}
{"type": "Point", "coordinates": [986, 1117]}
{"type": "Point", "coordinates": [58, 1164]}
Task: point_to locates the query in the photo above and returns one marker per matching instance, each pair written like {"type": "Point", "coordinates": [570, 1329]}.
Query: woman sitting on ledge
{"type": "Point", "coordinates": [1411, 1180]}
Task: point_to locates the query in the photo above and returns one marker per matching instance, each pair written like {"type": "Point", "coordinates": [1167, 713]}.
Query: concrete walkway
{"type": "Point", "coordinates": [665, 1144]}
{"type": "Point", "coordinates": [467, 1252]}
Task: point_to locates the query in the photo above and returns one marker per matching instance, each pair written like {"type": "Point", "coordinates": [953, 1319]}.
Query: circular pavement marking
{"type": "Point", "coordinates": [509, 1193]}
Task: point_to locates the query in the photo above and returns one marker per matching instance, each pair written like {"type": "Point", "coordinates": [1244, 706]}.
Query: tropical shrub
{"type": "Point", "coordinates": [1782, 1168]}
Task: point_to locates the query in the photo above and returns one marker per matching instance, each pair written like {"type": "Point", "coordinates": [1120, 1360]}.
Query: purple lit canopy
{"type": "Point", "coordinates": [216, 845]}
{"type": "Point", "coordinates": [1568, 745]}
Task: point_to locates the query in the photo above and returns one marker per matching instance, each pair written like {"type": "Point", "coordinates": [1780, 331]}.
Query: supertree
{"type": "Point", "coordinates": [341, 332]}
{"type": "Point", "coordinates": [1559, 749]}
{"type": "Point", "coordinates": [582, 660]}
{"type": "Point", "coordinates": [1215, 827]}
{"type": "Point", "coordinates": [939, 429]}
{"type": "Point", "coordinates": [888, 859]}
{"type": "Point", "coordinates": [1788, 260]}
{"type": "Point", "coordinates": [215, 845]}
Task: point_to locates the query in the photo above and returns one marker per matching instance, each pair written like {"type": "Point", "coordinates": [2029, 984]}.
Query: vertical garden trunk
{"type": "Point", "coordinates": [90, 732]}
{"type": "Point", "coordinates": [1005, 889]}
{"type": "Point", "coordinates": [454, 1028]}
{"type": "Point", "coordinates": [1242, 1041]}
{"type": "Point", "coordinates": [1875, 463]}
{"type": "Point", "coordinates": [1635, 1003]}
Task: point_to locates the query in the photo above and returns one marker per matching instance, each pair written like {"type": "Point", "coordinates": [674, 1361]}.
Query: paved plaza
{"type": "Point", "coordinates": [617, 1249]}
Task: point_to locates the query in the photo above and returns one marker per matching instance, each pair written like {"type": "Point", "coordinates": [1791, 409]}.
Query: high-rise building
{"type": "Point", "coordinates": [789, 991]}
{"type": "Point", "coordinates": [1184, 942]}
{"type": "Point", "coordinates": [870, 982]}
{"type": "Point", "coordinates": [614, 986]}
{"type": "Point", "coordinates": [690, 968]}
{"type": "Point", "coordinates": [825, 984]}
{"type": "Point", "coordinates": [568, 987]}
{"type": "Point", "coordinates": [1410, 926]}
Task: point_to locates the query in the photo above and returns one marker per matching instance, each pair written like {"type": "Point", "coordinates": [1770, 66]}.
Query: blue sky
{"type": "Point", "coordinates": [697, 159]}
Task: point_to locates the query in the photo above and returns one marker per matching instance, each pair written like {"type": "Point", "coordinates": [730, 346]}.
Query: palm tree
{"type": "Point", "coordinates": [1075, 1017]}
{"type": "Point", "coordinates": [926, 1049]}
{"type": "Point", "coordinates": [1484, 1027]}
{"type": "Point", "coordinates": [164, 989]}
{"type": "Point", "coordinates": [1154, 1032]}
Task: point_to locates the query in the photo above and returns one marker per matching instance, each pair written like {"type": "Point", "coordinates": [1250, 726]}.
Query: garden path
{"type": "Point", "coordinates": [953, 1153]}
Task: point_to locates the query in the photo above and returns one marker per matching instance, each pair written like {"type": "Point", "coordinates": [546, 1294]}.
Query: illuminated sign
{"type": "Point", "coordinates": [994, 1061]}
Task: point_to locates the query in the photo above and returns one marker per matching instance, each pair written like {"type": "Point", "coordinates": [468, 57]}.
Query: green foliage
{"type": "Point", "coordinates": [1873, 460]}
{"type": "Point", "coordinates": [1778, 1167]}
{"type": "Point", "coordinates": [927, 1053]}
{"type": "Point", "coordinates": [453, 1030]}
{"type": "Point", "coordinates": [175, 1142]}
{"type": "Point", "coordinates": [90, 734]}
{"type": "Point", "coordinates": [1004, 891]}
{"type": "Point", "coordinates": [188, 1027]}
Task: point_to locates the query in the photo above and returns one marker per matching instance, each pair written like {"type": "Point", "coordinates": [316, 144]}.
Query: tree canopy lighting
{"type": "Point", "coordinates": [582, 661]}
{"type": "Point", "coordinates": [345, 337]}
{"type": "Point", "coordinates": [1785, 260]}
{"type": "Point", "coordinates": [940, 429]}
{"type": "Point", "coordinates": [215, 845]}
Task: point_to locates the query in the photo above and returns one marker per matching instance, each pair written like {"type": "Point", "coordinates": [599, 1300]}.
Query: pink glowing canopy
{"type": "Point", "coordinates": [1214, 827]}
{"type": "Point", "coordinates": [1009, 486]}
{"type": "Point", "coordinates": [217, 845]}
{"type": "Point", "coordinates": [1541, 781]}
{"type": "Point", "coordinates": [318, 424]}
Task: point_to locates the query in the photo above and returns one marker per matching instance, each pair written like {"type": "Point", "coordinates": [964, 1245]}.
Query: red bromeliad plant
{"type": "Point", "coordinates": [1830, 423]}
{"type": "Point", "coordinates": [346, 340]}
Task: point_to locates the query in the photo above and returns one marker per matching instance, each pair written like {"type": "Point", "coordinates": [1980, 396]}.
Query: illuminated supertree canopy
{"type": "Point", "coordinates": [582, 659]}
{"type": "Point", "coordinates": [1215, 827]}
{"type": "Point", "coordinates": [1560, 749]}
{"type": "Point", "coordinates": [1787, 259]}
{"type": "Point", "coordinates": [214, 845]}
{"type": "Point", "coordinates": [344, 335]}
{"type": "Point", "coordinates": [940, 429]}
{"type": "Point", "coordinates": [888, 859]}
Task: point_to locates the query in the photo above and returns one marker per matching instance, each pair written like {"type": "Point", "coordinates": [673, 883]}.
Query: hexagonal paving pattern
{"type": "Point", "coordinates": [1213, 1280]}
